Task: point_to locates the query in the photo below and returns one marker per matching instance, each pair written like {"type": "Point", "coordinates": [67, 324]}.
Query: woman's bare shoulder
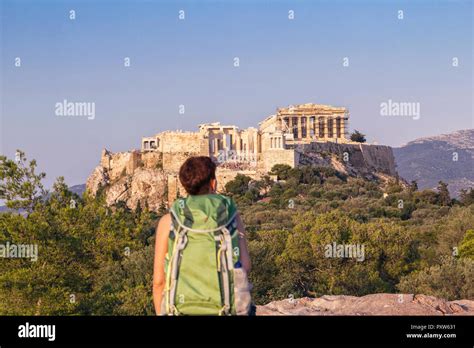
{"type": "Point", "coordinates": [165, 223]}
{"type": "Point", "coordinates": [166, 218]}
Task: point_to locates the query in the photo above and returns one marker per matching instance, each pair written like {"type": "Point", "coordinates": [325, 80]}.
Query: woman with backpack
{"type": "Point", "coordinates": [201, 255]}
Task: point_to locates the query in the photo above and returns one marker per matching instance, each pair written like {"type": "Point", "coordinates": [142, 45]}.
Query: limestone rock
{"type": "Point", "coordinates": [374, 304]}
{"type": "Point", "coordinates": [145, 185]}
{"type": "Point", "coordinates": [148, 185]}
{"type": "Point", "coordinates": [98, 178]}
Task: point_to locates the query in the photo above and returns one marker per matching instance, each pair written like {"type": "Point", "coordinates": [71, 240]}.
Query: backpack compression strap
{"type": "Point", "coordinates": [225, 264]}
{"type": "Point", "coordinates": [179, 244]}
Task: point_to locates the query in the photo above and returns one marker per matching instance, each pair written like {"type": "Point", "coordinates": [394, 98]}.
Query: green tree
{"type": "Point", "coordinates": [77, 238]}
{"type": "Point", "coordinates": [413, 186]}
{"type": "Point", "coordinates": [20, 185]}
{"type": "Point", "coordinates": [239, 185]}
{"type": "Point", "coordinates": [358, 137]}
{"type": "Point", "coordinates": [390, 252]}
{"type": "Point", "coordinates": [264, 184]}
{"type": "Point", "coordinates": [452, 279]}
{"type": "Point", "coordinates": [265, 248]}
{"type": "Point", "coordinates": [281, 171]}
{"type": "Point", "coordinates": [466, 247]}
{"type": "Point", "coordinates": [466, 197]}
{"type": "Point", "coordinates": [443, 194]}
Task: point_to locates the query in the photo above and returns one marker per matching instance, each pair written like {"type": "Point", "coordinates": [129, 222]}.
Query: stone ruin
{"type": "Point", "coordinates": [296, 135]}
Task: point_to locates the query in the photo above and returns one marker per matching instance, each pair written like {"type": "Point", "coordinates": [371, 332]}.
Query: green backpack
{"type": "Point", "coordinates": [203, 271]}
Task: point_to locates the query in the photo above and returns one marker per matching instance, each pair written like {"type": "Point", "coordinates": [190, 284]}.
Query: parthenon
{"type": "Point", "coordinates": [297, 135]}
{"type": "Point", "coordinates": [276, 139]}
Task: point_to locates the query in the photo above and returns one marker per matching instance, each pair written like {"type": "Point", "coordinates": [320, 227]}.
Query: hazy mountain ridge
{"type": "Point", "coordinates": [446, 157]}
{"type": "Point", "coordinates": [77, 189]}
{"type": "Point", "coordinates": [463, 139]}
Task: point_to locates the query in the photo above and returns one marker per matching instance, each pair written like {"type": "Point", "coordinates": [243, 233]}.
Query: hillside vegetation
{"type": "Point", "coordinates": [94, 259]}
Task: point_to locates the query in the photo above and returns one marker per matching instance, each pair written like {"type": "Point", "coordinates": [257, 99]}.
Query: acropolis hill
{"type": "Point", "coordinates": [305, 134]}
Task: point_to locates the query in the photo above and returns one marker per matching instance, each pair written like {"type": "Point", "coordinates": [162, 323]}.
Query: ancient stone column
{"type": "Point", "coordinates": [216, 146]}
{"type": "Point", "coordinates": [224, 140]}
{"type": "Point", "coordinates": [326, 134]}
{"type": "Point", "coordinates": [237, 143]}
{"type": "Point", "coordinates": [343, 128]}
{"type": "Point", "coordinates": [308, 127]}
{"type": "Point", "coordinates": [299, 128]}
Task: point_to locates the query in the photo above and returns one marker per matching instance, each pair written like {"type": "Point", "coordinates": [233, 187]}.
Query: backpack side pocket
{"type": "Point", "coordinates": [242, 288]}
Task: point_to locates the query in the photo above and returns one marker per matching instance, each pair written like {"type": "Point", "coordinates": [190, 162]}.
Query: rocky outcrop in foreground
{"type": "Point", "coordinates": [375, 304]}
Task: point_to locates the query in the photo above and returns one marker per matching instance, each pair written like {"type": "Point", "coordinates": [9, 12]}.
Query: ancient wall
{"type": "Point", "coordinates": [224, 175]}
{"type": "Point", "coordinates": [174, 188]}
{"type": "Point", "coordinates": [152, 176]}
{"type": "Point", "coordinates": [366, 158]}
{"type": "Point", "coordinates": [270, 157]}
{"type": "Point", "coordinates": [180, 141]}
{"type": "Point", "coordinates": [152, 159]}
{"type": "Point", "coordinates": [380, 157]}
{"type": "Point", "coordinates": [120, 163]}
{"type": "Point", "coordinates": [177, 147]}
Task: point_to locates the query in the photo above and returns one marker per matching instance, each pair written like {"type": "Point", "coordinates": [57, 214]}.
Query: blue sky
{"type": "Point", "coordinates": [190, 62]}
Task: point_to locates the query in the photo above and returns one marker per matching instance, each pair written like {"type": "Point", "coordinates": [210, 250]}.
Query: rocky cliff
{"type": "Point", "coordinates": [130, 177]}
{"type": "Point", "coordinates": [353, 159]}
{"type": "Point", "coordinates": [152, 177]}
{"type": "Point", "coordinates": [374, 304]}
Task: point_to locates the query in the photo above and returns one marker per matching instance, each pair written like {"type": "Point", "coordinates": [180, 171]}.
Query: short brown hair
{"type": "Point", "coordinates": [196, 174]}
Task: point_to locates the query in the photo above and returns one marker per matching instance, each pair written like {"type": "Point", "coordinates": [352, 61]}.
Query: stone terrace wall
{"type": "Point", "coordinates": [365, 158]}
{"type": "Point", "coordinates": [119, 163]}
{"type": "Point", "coordinates": [177, 147]}
{"type": "Point", "coordinates": [152, 160]}
{"type": "Point", "coordinates": [379, 157]}
{"type": "Point", "coordinates": [224, 175]}
{"type": "Point", "coordinates": [276, 156]}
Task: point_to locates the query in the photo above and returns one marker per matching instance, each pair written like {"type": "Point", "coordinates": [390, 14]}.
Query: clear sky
{"type": "Point", "coordinates": [191, 62]}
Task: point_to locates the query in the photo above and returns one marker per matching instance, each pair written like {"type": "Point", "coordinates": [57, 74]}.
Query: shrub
{"type": "Point", "coordinates": [452, 279]}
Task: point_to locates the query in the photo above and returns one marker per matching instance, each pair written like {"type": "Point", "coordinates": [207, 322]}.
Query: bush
{"type": "Point", "coordinates": [358, 137]}
{"type": "Point", "coordinates": [466, 247]}
{"type": "Point", "coordinates": [452, 279]}
{"type": "Point", "coordinates": [239, 185]}
{"type": "Point", "coordinates": [281, 171]}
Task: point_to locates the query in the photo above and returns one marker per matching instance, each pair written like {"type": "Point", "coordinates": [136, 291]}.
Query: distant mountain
{"type": "Point", "coordinates": [77, 189]}
{"type": "Point", "coordinates": [445, 157]}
